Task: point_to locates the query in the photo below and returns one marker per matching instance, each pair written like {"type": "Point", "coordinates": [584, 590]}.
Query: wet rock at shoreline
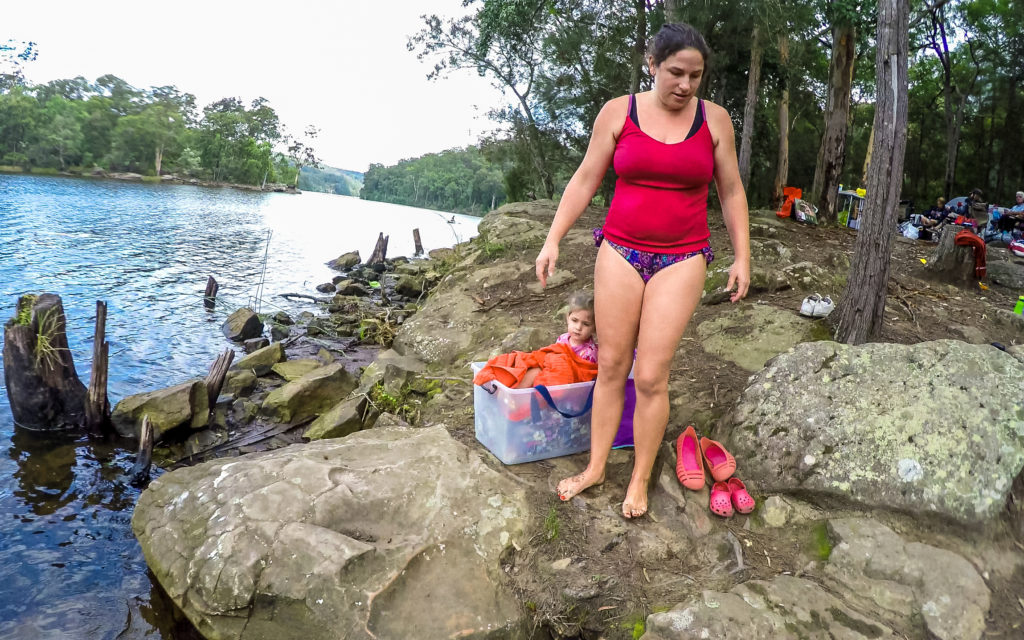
{"type": "Point", "coordinates": [255, 344]}
{"type": "Point", "coordinates": [345, 261]}
{"type": "Point", "coordinates": [310, 395]}
{"type": "Point", "coordinates": [314, 541]}
{"type": "Point", "coordinates": [183, 404]}
{"type": "Point", "coordinates": [242, 325]}
{"type": "Point", "coordinates": [295, 369]}
{"type": "Point", "coordinates": [348, 416]}
{"type": "Point", "coordinates": [261, 360]}
{"type": "Point", "coordinates": [282, 318]}
{"type": "Point", "coordinates": [326, 287]}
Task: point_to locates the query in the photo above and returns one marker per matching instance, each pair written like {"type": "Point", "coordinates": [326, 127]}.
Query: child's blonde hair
{"type": "Point", "coordinates": [581, 301]}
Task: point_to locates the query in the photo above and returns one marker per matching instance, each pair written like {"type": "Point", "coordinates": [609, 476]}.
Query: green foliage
{"type": "Point", "coordinates": [638, 629]}
{"type": "Point", "coordinates": [23, 316]}
{"type": "Point", "coordinates": [455, 180]}
{"type": "Point", "coordinates": [111, 124]}
{"type": "Point", "coordinates": [47, 353]}
{"type": "Point", "coordinates": [821, 543]}
{"type": "Point", "coordinates": [402, 406]}
{"type": "Point", "coordinates": [552, 525]}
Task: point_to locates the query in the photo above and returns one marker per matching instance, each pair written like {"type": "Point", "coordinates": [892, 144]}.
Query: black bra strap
{"type": "Point", "coordinates": [698, 120]}
{"type": "Point", "coordinates": [632, 110]}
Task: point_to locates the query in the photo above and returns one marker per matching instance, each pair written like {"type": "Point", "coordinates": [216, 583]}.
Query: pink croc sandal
{"type": "Point", "coordinates": [721, 464]}
{"type": "Point", "coordinates": [689, 467]}
{"type": "Point", "coordinates": [721, 505]}
{"type": "Point", "coordinates": [738, 491]}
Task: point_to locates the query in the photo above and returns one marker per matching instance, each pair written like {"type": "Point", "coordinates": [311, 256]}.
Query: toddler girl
{"type": "Point", "coordinates": [580, 321]}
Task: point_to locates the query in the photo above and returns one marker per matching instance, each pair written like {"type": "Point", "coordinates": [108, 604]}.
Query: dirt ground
{"type": "Point", "coordinates": [576, 574]}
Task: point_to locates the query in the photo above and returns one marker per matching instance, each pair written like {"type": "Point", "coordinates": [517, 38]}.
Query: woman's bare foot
{"type": "Point", "coordinates": [635, 504]}
{"type": "Point", "coordinates": [569, 487]}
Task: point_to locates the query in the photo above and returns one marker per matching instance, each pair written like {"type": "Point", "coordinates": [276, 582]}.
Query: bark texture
{"type": "Point", "coordinates": [42, 385]}
{"type": "Point", "coordinates": [750, 108]}
{"type": "Point", "coordinates": [782, 163]}
{"type": "Point", "coordinates": [862, 307]}
{"type": "Point", "coordinates": [832, 152]}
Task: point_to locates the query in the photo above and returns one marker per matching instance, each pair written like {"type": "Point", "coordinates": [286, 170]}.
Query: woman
{"type": "Point", "coordinates": [666, 145]}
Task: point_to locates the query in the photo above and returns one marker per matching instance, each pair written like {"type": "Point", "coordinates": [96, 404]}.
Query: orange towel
{"type": "Point", "coordinates": [971, 239]}
{"type": "Point", "coordinates": [558, 364]}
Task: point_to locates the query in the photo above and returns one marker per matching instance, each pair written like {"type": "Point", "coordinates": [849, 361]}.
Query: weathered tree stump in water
{"type": "Point", "coordinates": [951, 262]}
{"type": "Point", "coordinates": [380, 251]}
{"type": "Point", "coordinates": [417, 243]}
{"type": "Point", "coordinates": [43, 388]}
{"type": "Point", "coordinates": [215, 379]}
{"type": "Point", "coordinates": [97, 405]}
{"type": "Point", "coordinates": [140, 470]}
{"type": "Point", "coordinates": [210, 296]}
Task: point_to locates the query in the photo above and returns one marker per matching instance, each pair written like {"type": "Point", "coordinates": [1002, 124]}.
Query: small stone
{"type": "Point", "coordinates": [561, 565]}
{"type": "Point", "coordinates": [255, 344]}
{"type": "Point", "coordinates": [326, 287]}
{"type": "Point", "coordinates": [775, 511]}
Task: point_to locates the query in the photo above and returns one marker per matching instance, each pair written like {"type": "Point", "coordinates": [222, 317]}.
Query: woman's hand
{"type": "Point", "coordinates": [546, 260]}
{"type": "Point", "coordinates": [739, 275]}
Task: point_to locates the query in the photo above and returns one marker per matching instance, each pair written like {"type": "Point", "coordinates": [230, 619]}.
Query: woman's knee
{"type": "Point", "coordinates": [650, 382]}
{"type": "Point", "coordinates": [613, 366]}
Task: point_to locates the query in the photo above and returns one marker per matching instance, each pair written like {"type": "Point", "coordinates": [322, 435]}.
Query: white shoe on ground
{"type": "Point", "coordinates": [809, 304]}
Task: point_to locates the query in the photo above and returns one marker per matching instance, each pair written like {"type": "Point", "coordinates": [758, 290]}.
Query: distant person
{"type": "Point", "coordinates": [936, 215]}
{"type": "Point", "coordinates": [666, 146]}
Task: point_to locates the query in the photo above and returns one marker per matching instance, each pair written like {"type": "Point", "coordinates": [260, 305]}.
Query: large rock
{"type": "Point", "coordinates": [1004, 270]}
{"type": "Point", "coordinates": [499, 228]}
{"type": "Point", "coordinates": [762, 280]}
{"type": "Point", "coordinates": [927, 428]}
{"type": "Point", "coordinates": [385, 360]}
{"type": "Point", "coordinates": [907, 589]}
{"type": "Point", "coordinates": [752, 334]}
{"type": "Point", "coordinates": [345, 261]}
{"type": "Point", "coordinates": [409, 286]}
{"type": "Point", "coordinates": [262, 360]}
{"type": "Point", "coordinates": [348, 416]}
{"type": "Point", "coordinates": [900, 581]}
{"type": "Point", "coordinates": [388, 533]}
{"type": "Point", "coordinates": [295, 369]}
{"type": "Point", "coordinates": [242, 325]}
{"type": "Point", "coordinates": [310, 395]}
{"type": "Point", "coordinates": [187, 403]}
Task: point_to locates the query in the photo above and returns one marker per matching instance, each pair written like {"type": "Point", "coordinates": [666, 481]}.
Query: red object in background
{"type": "Point", "coordinates": [792, 194]}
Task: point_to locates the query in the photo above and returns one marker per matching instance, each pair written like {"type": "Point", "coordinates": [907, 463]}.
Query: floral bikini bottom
{"type": "Point", "coordinates": [646, 263]}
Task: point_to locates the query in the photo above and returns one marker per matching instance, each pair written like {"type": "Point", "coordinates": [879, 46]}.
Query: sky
{"type": "Point", "coordinates": [340, 65]}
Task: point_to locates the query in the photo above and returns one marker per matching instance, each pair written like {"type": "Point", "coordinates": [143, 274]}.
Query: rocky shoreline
{"type": "Point", "coordinates": [166, 178]}
{"type": "Point", "coordinates": [888, 476]}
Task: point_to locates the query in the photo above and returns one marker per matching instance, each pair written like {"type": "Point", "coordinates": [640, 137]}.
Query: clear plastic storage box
{"type": "Point", "coordinates": [519, 425]}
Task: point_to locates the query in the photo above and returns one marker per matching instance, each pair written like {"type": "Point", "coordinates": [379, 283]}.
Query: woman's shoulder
{"type": "Point", "coordinates": [714, 111]}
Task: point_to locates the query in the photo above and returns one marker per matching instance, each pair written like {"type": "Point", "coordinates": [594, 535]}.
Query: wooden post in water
{"type": "Point", "coordinates": [215, 379]}
{"type": "Point", "coordinates": [97, 405]}
{"type": "Point", "coordinates": [380, 251]}
{"type": "Point", "coordinates": [140, 471]}
{"type": "Point", "coordinates": [416, 240]}
{"type": "Point", "coordinates": [210, 297]}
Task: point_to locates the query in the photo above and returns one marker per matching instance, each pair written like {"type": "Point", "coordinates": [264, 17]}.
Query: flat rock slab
{"type": "Point", "coordinates": [387, 533]}
{"type": "Point", "coordinates": [750, 335]}
{"type": "Point", "coordinates": [295, 369]}
{"type": "Point", "coordinates": [876, 585]}
{"type": "Point", "coordinates": [936, 427]}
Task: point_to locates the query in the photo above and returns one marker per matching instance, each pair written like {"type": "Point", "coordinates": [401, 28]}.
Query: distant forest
{"type": "Point", "coordinates": [462, 180]}
{"type": "Point", "coordinates": [78, 126]}
{"type": "Point", "coordinates": [331, 180]}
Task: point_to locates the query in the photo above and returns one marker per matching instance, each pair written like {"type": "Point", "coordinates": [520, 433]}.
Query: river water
{"type": "Point", "coordinates": [69, 564]}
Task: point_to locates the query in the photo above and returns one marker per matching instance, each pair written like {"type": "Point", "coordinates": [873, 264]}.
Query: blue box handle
{"type": "Point", "coordinates": [544, 393]}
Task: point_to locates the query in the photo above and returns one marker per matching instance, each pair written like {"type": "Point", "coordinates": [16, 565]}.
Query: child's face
{"type": "Point", "coordinates": [581, 325]}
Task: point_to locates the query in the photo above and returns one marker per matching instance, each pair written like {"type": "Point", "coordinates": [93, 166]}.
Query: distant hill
{"type": "Point", "coordinates": [331, 180]}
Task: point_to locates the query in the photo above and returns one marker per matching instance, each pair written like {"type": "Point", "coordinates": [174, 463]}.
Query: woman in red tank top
{"type": "Point", "coordinates": [667, 146]}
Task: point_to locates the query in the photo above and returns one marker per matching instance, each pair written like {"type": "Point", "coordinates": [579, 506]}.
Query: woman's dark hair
{"type": "Point", "coordinates": [673, 37]}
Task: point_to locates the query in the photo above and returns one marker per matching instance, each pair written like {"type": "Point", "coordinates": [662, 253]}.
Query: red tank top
{"type": "Point", "coordinates": [661, 194]}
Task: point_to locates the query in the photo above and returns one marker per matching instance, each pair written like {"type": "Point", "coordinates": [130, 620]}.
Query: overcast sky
{"type": "Point", "coordinates": [341, 65]}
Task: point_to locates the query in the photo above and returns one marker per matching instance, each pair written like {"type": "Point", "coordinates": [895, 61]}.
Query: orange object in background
{"type": "Point", "coordinates": [792, 194]}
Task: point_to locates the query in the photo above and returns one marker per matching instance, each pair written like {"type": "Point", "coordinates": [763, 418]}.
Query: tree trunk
{"type": "Point", "coordinates": [210, 296]}
{"type": "Point", "coordinates": [782, 163]}
{"type": "Point", "coordinates": [97, 407]}
{"type": "Point", "coordinates": [753, 83]}
{"type": "Point", "coordinates": [159, 159]}
{"type": "Point", "coordinates": [867, 156]}
{"type": "Point", "coordinates": [42, 385]}
{"type": "Point", "coordinates": [673, 10]}
{"type": "Point", "coordinates": [862, 307]}
{"type": "Point", "coordinates": [419, 244]}
{"type": "Point", "coordinates": [639, 45]}
{"type": "Point", "coordinates": [832, 152]}
{"type": "Point", "coordinates": [380, 250]}
{"type": "Point", "coordinates": [1010, 132]}
{"type": "Point", "coordinates": [952, 262]}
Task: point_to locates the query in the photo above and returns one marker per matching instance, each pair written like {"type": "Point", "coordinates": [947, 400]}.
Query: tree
{"type": "Point", "coordinates": [832, 152]}
{"type": "Point", "coordinates": [862, 305]}
{"type": "Point", "coordinates": [13, 56]}
{"type": "Point", "coordinates": [502, 41]}
{"type": "Point", "coordinates": [301, 152]}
